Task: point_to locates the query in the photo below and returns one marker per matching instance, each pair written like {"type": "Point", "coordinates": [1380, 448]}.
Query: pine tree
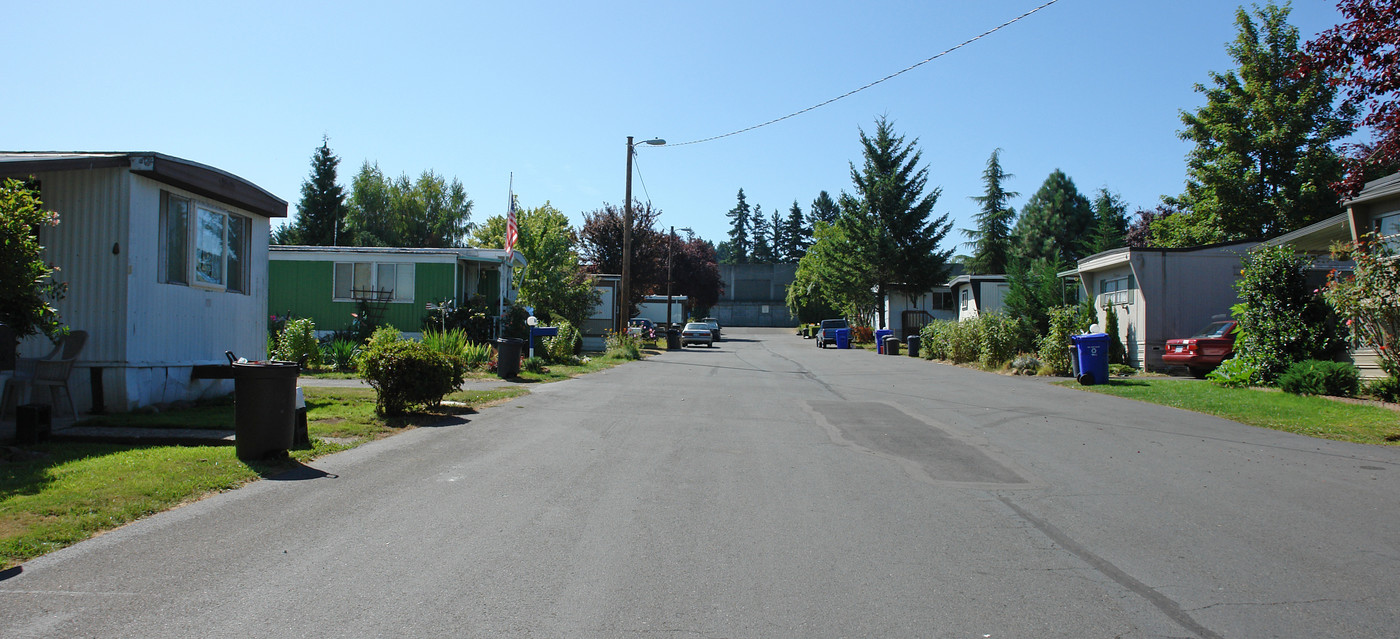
{"type": "Point", "coordinates": [1054, 223]}
{"type": "Point", "coordinates": [1263, 158]}
{"type": "Point", "coordinates": [796, 234]}
{"type": "Point", "coordinates": [321, 210]}
{"type": "Point", "coordinates": [824, 209]}
{"type": "Point", "coordinates": [887, 220]}
{"type": "Point", "coordinates": [992, 237]}
{"type": "Point", "coordinates": [739, 244]}
{"type": "Point", "coordinates": [1110, 223]}
{"type": "Point", "coordinates": [762, 237]}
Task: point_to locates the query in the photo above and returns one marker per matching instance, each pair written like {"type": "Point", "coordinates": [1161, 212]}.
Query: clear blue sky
{"type": "Point", "coordinates": [550, 90]}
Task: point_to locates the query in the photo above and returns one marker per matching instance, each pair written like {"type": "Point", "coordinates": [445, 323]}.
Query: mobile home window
{"type": "Point", "coordinates": [1117, 291]}
{"type": "Point", "coordinates": [383, 281]}
{"type": "Point", "coordinates": [203, 242]}
{"type": "Point", "coordinates": [964, 298]}
{"type": "Point", "coordinates": [1388, 229]}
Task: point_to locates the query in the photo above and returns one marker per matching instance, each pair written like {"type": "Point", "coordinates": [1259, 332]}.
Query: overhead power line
{"type": "Point", "coordinates": [892, 75]}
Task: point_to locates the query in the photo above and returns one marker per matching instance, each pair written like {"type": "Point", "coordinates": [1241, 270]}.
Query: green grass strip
{"type": "Point", "coordinates": [1305, 415]}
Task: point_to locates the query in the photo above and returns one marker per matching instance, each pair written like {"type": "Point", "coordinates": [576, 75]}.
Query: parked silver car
{"type": "Point", "coordinates": [696, 333]}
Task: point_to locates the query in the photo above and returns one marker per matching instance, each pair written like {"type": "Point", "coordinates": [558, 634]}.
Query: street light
{"type": "Point", "coordinates": [626, 303]}
{"type": "Point", "coordinates": [671, 247]}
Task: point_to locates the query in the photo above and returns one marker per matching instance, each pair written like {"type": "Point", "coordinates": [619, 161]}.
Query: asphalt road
{"type": "Point", "coordinates": [765, 488]}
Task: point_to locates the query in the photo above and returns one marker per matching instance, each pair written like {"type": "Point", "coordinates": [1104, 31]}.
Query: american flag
{"type": "Point", "coordinates": [512, 230]}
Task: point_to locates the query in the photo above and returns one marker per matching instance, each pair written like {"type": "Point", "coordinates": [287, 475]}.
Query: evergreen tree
{"type": "Point", "coordinates": [762, 237]}
{"type": "Point", "coordinates": [1110, 223]}
{"type": "Point", "coordinates": [322, 209]}
{"type": "Point", "coordinates": [1054, 223]}
{"type": "Point", "coordinates": [824, 209]}
{"type": "Point", "coordinates": [779, 231]}
{"type": "Point", "coordinates": [1263, 158]}
{"type": "Point", "coordinates": [1033, 288]}
{"type": "Point", "coordinates": [991, 239]}
{"type": "Point", "coordinates": [739, 245]}
{"type": "Point", "coordinates": [797, 235]}
{"type": "Point", "coordinates": [887, 223]}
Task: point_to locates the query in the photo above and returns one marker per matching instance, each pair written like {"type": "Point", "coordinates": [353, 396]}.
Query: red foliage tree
{"type": "Point", "coordinates": [1363, 57]}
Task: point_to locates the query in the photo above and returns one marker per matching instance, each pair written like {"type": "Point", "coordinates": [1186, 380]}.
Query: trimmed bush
{"type": "Point", "coordinates": [407, 374]}
{"type": "Point", "coordinates": [1318, 377]}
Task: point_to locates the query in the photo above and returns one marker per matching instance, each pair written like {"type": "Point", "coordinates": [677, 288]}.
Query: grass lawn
{"type": "Point", "coordinates": [1305, 415]}
{"type": "Point", "coordinates": [57, 494]}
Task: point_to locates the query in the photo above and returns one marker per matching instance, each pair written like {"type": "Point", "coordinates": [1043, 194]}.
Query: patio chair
{"type": "Point", "coordinates": [50, 371]}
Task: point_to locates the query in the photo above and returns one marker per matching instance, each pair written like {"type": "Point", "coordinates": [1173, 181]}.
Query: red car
{"type": "Point", "coordinates": [1204, 350]}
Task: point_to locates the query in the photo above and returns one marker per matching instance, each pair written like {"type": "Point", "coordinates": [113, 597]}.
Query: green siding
{"type": "Point", "coordinates": [305, 289]}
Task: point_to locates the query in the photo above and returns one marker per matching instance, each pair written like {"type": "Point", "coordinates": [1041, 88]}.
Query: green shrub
{"type": "Point", "coordinates": [452, 341]}
{"type": "Point", "coordinates": [1236, 372]}
{"type": "Point", "coordinates": [1386, 389]}
{"type": "Point", "coordinates": [1054, 344]}
{"type": "Point", "coordinates": [1281, 318]}
{"type": "Point", "coordinates": [477, 355]}
{"type": "Point", "coordinates": [340, 354]}
{"type": "Point", "coordinates": [1318, 377]}
{"type": "Point", "coordinates": [297, 341]}
{"type": "Point", "coordinates": [997, 337]}
{"type": "Point", "coordinates": [533, 364]}
{"type": "Point", "coordinates": [1121, 370]}
{"type": "Point", "coordinates": [407, 374]}
{"type": "Point", "coordinates": [564, 347]}
{"type": "Point", "coordinates": [933, 339]}
{"type": "Point", "coordinates": [963, 341]}
{"type": "Point", "coordinates": [1026, 364]}
{"type": "Point", "coordinates": [623, 346]}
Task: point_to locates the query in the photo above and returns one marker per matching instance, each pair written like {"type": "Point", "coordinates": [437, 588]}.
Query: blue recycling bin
{"type": "Point", "coordinates": [843, 338]}
{"type": "Point", "coordinates": [880, 340]}
{"type": "Point", "coordinates": [1092, 350]}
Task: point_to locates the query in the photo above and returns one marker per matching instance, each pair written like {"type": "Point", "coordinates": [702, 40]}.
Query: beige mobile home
{"type": "Point", "coordinates": [166, 265]}
{"type": "Point", "coordinates": [1160, 294]}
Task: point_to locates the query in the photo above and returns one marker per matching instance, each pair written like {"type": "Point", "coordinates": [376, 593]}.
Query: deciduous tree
{"type": "Point", "coordinates": [553, 281]}
{"type": "Point", "coordinates": [28, 289]}
{"type": "Point", "coordinates": [1362, 57]}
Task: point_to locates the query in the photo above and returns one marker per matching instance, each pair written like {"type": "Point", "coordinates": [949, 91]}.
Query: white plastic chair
{"type": "Point", "coordinates": [50, 371]}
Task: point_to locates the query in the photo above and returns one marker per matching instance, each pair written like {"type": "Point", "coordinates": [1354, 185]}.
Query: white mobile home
{"type": "Point", "coordinates": [166, 266]}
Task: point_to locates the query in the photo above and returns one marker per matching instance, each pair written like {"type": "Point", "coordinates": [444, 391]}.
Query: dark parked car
{"type": "Point", "coordinates": [1204, 350]}
{"type": "Point", "coordinates": [827, 334]}
{"type": "Point", "coordinates": [714, 326]}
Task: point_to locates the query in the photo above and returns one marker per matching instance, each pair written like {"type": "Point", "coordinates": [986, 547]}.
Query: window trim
{"type": "Point", "coordinates": [1122, 292]}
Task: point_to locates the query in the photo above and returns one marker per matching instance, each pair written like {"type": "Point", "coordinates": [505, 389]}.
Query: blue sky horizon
{"type": "Point", "coordinates": [546, 93]}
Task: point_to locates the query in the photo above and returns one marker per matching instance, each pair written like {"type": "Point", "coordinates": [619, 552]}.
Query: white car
{"type": "Point", "coordinates": [697, 333]}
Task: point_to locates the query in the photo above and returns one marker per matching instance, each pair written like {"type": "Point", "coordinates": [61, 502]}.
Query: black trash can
{"type": "Point", "coordinates": [891, 345]}
{"type": "Point", "coordinates": [914, 344]}
{"type": "Point", "coordinates": [33, 424]}
{"type": "Point", "coordinates": [508, 357]}
{"type": "Point", "coordinates": [673, 339]}
{"type": "Point", "coordinates": [264, 402]}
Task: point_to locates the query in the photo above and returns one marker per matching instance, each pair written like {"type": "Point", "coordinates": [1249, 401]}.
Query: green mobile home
{"type": "Point", "coordinates": [396, 285]}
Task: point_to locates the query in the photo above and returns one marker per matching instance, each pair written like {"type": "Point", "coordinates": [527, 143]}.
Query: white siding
{"type": "Point", "coordinates": [92, 223]}
{"type": "Point", "coordinates": [174, 324]}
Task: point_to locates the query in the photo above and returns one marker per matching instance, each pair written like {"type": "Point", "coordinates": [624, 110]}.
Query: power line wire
{"type": "Point", "coordinates": [890, 76]}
